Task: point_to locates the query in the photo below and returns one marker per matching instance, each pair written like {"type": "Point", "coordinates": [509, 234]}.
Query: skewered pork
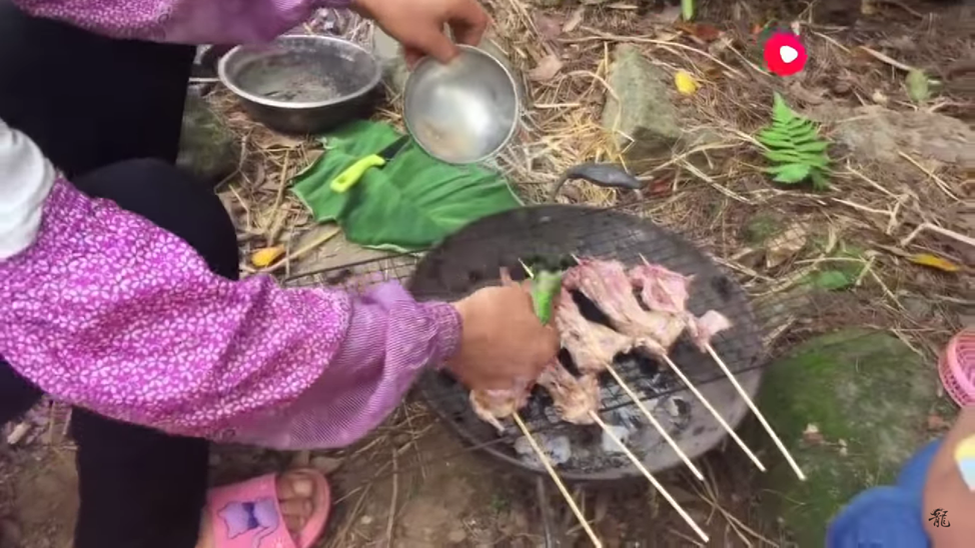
{"type": "Point", "coordinates": [606, 284]}
{"type": "Point", "coordinates": [661, 289]}
{"type": "Point", "coordinates": [575, 398]}
{"type": "Point", "coordinates": [592, 345]}
{"type": "Point", "coordinates": [667, 291]}
{"type": "Point", "coordinates": [491, 405]}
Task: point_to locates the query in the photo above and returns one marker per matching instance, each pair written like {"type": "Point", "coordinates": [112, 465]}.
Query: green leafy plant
{"type": "Point", "coordinates": [794, 148]}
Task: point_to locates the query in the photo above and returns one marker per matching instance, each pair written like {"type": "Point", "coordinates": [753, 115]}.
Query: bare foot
{"type": "Point", "coordinates": [296, 496]}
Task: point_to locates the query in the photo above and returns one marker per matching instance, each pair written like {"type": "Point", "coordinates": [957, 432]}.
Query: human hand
{"type": "Point", "coordinates": [419, 24]}
{"type": "Point", "coordinates": [502, 340]}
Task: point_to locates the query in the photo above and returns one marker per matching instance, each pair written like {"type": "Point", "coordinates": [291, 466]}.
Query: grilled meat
{"type": "Point", "coordinates": [491, 405]}
{"type": "Point", "coordinates": [607, 285]}
{"type": "Point", "coordinates": [592, 345]}
{"type": "Point", "coordinates": [668, 291]}
{"type": "Point", "coordinates": [702, 329]}
{"type": "Point", "coordinates": [574, 397]}
{"type": "Point", "coordinates": [661, 289]}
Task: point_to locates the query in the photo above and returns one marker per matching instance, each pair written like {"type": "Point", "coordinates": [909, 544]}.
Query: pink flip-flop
{"type": "Point", "coordinates": [957, 368]}
{"type": "Point", "coordinates": [247, 515]}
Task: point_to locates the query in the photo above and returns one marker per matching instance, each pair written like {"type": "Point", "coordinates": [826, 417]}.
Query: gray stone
{"type": "Point", "coordinates": [877, 133]}
{"type": "Point", "coordinates": [207, 147]}
{"type": "Point", "coordinates": [644, 111]}
{"type": "Point", "coordinates": [851, 407]}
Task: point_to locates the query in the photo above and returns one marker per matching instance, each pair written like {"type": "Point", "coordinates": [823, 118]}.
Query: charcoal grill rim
{"type": "Point", "coordinates": [572, 476]}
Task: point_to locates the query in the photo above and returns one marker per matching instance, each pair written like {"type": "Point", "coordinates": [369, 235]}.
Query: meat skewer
{"type": "Point", "coordinates": [668, 291]}
{"type": "Point", "coordinates": [558, 481]}
{"type": "Point", "coordinates": [593, 348]}
{"type": "Point", "coordinates": [491, 405]}
{"type": "Point", "coordinates": [574, 398]}
{"type": "Point", "coordinates": [596, 346]}
{"type": "Point", "coordinates": [751, 405]}
{"type": "Point", "coordinates": [636, 462]}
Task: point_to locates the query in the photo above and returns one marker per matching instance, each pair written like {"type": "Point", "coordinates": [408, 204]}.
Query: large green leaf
{"type": "Point", "coordinates": [412, 203]}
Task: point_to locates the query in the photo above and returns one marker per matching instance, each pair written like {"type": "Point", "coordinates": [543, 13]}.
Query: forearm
{"type": "Point", "coordinates": [182, 21]}
{"type": "Point", "coordinates": [389, 339]}
{"type": "Point", "coordinates": [107, 311]}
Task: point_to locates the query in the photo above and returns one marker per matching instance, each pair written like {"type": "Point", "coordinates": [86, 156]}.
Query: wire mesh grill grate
{"type": "Point", "coordinates": [472, 258]}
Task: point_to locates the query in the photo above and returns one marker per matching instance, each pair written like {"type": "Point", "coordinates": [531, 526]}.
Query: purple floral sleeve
{"type": "Point", "coordinates": [109, 312]}
{"type": "Point", "coordinates": [182, 21]}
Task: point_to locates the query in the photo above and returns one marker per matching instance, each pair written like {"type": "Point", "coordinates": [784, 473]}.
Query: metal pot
{"type": "Point", "coordinates": [303, 84]}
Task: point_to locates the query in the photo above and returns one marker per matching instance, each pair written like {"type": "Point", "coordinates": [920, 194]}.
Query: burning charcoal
{"type": "Point", "coordinates": [609, 445]}
{"type": "Point", "coordinates": [557, 448]}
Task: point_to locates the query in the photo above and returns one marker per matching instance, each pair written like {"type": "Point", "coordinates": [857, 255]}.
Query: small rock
{"type": "Point", "coordinates": [207, 148]}
{"type": "Point", "coordinates": [457, 536]}
{"type": "Point", "coordinates": [812, 435]}
{"type": "Point", "coordinates": [366, 520]}
{"type": "Point", "coordinates": [326, 465]}
{"type": "Point", "coordinates": [644, 110]}
{"type": "Point", "coordinates": [877, 133]}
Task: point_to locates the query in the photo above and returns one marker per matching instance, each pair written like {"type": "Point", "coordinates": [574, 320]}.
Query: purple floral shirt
{"type": "Point", "coordinates": [182, 21]}
{"type": "Point", "coordinates": [107, 311]}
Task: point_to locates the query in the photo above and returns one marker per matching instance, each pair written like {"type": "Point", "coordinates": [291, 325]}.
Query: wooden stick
{"type": "Point", "coordinates": [558, 481]}
{"type": "Point", "coordinates": [751, 405]}
{"type": "Point", "coordinates": [646, 412]}
{"type": "Point", "coordinates": [724, 424]}
{"type": "Point", "coordinates": [758, 414]}
{"type": "Point", "coordinates": [636, 462]}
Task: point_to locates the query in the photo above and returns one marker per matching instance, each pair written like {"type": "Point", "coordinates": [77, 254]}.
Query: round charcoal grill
{"type": "Point", "coordinates": [471, 259]}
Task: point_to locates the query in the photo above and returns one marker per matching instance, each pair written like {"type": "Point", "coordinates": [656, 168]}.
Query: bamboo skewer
{"type": "Point", "coordinates": [558, 481]}
{"type": "Point", "coordinates": [636, 462]}
{"type": "Point", "coordinates": [646, 412]}
{"type": "Point", "coordinates": [636, 399]}
{"type": "Point", "coordinates": [758, 414]}
{"type": "Point", "coordinates": [724, 424]}
{"type": "Point", "coordinates": [751, 405]}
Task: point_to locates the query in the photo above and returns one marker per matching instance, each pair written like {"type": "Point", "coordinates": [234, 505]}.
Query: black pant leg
{"type": "Point", "coordinates": [87, 100]}
{"type": "Point", "coordinates": [141, 488]}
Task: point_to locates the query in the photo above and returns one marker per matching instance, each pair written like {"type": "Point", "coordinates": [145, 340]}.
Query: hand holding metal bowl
{"type": "Point", "coordinates": [464, 111]}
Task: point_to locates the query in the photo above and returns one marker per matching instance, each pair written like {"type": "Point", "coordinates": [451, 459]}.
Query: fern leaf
{"type": "Point", "coordinates": [794, 147]}
{"type": "Point", "coordinates": [812, 146]}
{"type": "Point", "coordinates": [790, 173]}
{"type": "Point", "coordinates": [819, 180]}
{"type": "Point", "coordinates": [781, 113]}
{"type": "Point", "coordinates": [791, 156]}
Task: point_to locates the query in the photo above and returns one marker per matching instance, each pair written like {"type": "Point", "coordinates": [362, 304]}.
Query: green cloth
{"type": "Point", "coordinates": [411, 203]}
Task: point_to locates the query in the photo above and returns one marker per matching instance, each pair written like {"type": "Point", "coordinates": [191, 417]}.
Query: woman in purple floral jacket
{"type": "Point", "coordinates": [119, 290]}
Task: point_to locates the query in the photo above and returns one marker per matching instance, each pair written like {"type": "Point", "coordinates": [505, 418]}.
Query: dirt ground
{"type": "Point", "coordinates": [443, 495]}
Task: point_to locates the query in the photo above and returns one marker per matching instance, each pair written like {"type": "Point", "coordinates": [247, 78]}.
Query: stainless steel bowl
{"type": "Point", "coordinates": [303, 84]}
{"type": "Point", "coordinates": [462, 112]}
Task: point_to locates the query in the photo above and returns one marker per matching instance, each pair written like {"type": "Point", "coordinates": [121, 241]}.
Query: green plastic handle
{"type": "Point", "coordinates": [354, 173]}
{"type": "Point", "coordinates": [545, 286]}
